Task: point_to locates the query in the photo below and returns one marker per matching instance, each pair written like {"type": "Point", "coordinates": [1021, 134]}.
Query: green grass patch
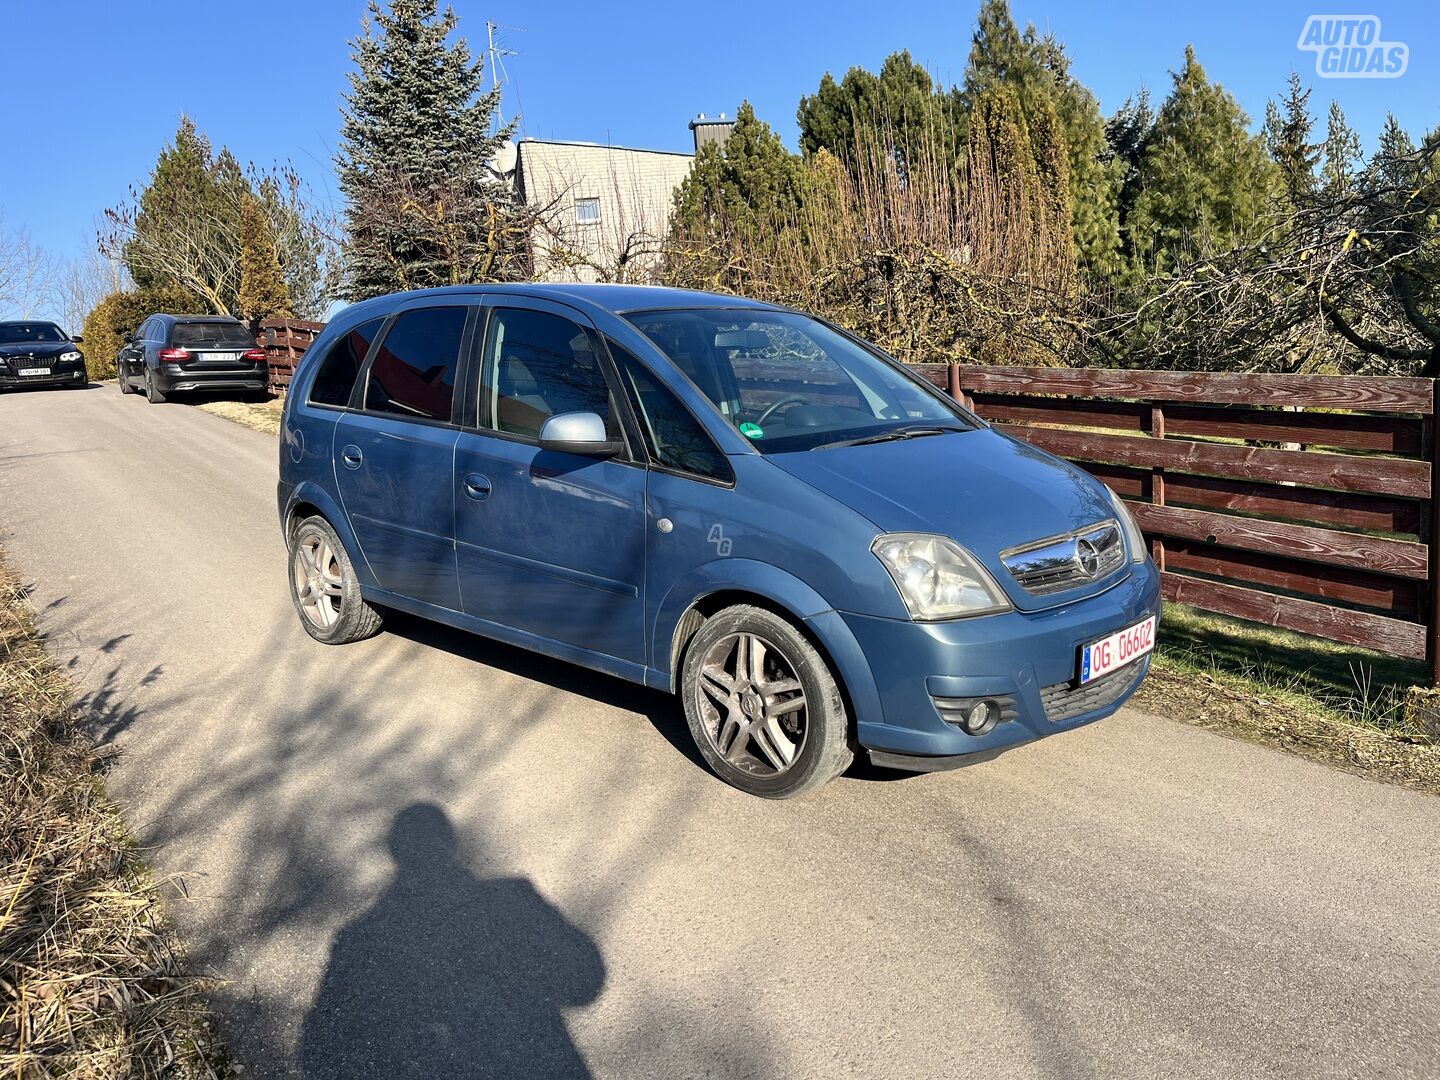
{"type": "Point", "coordinates": [1340, 682]}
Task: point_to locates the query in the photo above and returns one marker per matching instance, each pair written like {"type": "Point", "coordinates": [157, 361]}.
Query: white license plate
{"type": "Point", "coordinates": [1120, 648]}
{"type": "Point", "coordinates": [219, 357]}
{"type": "Point", "coordinates": [34, 371]}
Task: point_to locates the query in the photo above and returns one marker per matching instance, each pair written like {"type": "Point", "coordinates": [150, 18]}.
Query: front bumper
{"type": "Point", "coordinates": [1027, 661]}
{"type": "Point", "coordinates": [71, 374]}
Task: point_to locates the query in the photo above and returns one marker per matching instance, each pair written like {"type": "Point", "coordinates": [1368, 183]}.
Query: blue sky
{"type": "Point", "coordinates": [92, 89]}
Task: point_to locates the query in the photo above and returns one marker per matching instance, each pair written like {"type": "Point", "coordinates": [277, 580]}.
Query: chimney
{"type": "Point", "coordinates": [709, 130]}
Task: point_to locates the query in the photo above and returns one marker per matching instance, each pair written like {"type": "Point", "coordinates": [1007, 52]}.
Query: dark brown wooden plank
{"type": "Point", "coordinates": [1350, 431]}
{"type": "Point", "coordinates": [1344, 508]}
{"type": "Point", "coordinates": [1397, 558]}
{"type": "Point", "coordinates": [935, 374]}
{"type": "Point", "coordinates": [1388, 476]}
{"type": "Point", "coordinates": [1363, 392]}
{"type": "Point", "coordinates": [1360, 628]}
{"type": "Point", "coordinates": [1391, 596]}
{"type": "Point", "coordinates": [1121, 415]}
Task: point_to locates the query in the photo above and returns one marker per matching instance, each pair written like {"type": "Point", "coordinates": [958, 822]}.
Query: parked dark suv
{"type": "Point", "coordinates": [173, 353]}
{"type": "Point", "coordinates": [39, 354]}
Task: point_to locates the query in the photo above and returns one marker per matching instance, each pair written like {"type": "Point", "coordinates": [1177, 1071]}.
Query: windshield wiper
{"type": "Point", "coordinates": [894, 435]}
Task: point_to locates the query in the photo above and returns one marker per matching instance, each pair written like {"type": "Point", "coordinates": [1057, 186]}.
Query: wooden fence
{"type": "Point", "coordinates": [1305, 502]}
{"type": "Point", "coordinates": [1300, 501]}
{"type": "Point", "coordinates": [284, 342]}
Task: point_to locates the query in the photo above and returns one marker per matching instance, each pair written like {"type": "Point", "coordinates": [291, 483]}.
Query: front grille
{"type": "Point", "coordinates": [1065, 701]}
{"type": "Point", "coordinates": [1067, 562]}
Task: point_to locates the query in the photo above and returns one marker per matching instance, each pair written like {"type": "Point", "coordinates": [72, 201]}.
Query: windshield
{"type": "Point", "coordinates": [22, 333]}
{"type": "Point", "coordinates": [201, 335]}
{"type": "Point", "coordinates": [789, 382]}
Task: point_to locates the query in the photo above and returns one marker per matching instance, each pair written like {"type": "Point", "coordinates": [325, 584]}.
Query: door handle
{"type": "Point", "coordinates": [351, 456]}
{"type": "Point", "coordinates": [477, 487]}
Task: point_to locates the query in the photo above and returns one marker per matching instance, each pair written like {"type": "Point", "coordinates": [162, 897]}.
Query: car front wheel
{"type": "Point", "coordinates": [763, 706]}
{"type": "Point", "coordinates": [324, 587]}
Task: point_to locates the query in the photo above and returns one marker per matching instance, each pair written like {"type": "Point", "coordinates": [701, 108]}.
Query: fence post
{"type": "Point", "coordinates": [1432, 613]}
{"type": "Point", "coordinates": [1157, 483]}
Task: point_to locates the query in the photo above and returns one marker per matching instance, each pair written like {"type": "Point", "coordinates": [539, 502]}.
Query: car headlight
{"type": "Point", "coordinates": [1134, 538]}
{"type": "Point", "coordinates": [937, 578]}
{"type": "Point", "coordinates": [69, 357]}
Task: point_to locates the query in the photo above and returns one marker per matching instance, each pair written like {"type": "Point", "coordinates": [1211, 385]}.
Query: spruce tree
{"type": "Point", "coordinates": [1205, 180]}
{"type": "Point", "coordinates": [423, 206]}
{"type": "Point", "coordinates": [1341, 154]}
{"type": "Point", "coordinates": [1037, 70]}
{"type": "Point", "coordinates": [1287, 137]}
{"type": "Point", "coordinates": [1128, 135]}
{"type": "Point", "coordinates": [263, 294]}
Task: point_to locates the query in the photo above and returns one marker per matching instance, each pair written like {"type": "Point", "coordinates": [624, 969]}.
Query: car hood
{"type": "Point", "coordinates": [40, 350]}
{"type": "Point", "coordinates": [985, 490]}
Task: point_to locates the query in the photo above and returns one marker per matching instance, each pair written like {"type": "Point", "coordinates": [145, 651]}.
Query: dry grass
{"type": "Point", "coordinates": [260, 415]}
{"type": "Point", "coordinates": [91, 984]}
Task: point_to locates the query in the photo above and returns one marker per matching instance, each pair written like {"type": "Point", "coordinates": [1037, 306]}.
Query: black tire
{"type": "Point", "coordinates": [125, 387]}
{"type": "Point", "coordinates": [153, 393]}
{"type": "Point", "coordinates": [821, 727]}
{"type": "Point", "coordinates": [355, 618]}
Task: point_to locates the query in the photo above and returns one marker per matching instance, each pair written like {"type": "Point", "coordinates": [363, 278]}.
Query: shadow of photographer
{"type": "Point", "coordinates": [450, 974]}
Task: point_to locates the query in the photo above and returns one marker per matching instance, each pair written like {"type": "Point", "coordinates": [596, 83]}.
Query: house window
{"type": "Point", "coordinates": [587, 211]}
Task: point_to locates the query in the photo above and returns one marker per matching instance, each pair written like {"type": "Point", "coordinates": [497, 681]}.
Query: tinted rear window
{"type": "Point", "coordinates": [413, 374]}
{"type": "Point", "coordinates": [199, 335]}
{"type": "Point", "coordinates": [341, 365]}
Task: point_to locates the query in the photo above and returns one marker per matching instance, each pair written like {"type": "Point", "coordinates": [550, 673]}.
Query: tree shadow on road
{"type": "Point", "coordinates": [449, 973]}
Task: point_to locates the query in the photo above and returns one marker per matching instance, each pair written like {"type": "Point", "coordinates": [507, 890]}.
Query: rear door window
{"type": "Point", "coordinates": [340, 367]}
{"type": "Point", "coordinates": [413, 373]}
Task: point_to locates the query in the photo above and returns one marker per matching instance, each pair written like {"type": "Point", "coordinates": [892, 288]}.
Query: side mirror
{"type": "Point", "coordinates": [127, 337]}
{"type": "Point", "coordinates": [578, 433]}
{"type": "Point", "coordinates": [78, 340]}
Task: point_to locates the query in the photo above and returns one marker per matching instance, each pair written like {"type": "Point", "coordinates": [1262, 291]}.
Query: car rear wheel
{"type": "Point", "coordinates": [153, 393]}
{"type": "Point", "coordinates": [324, 587]}
{"type": "Point", "coordinates": [763, 706]}
{"type": "Point", "coordinates": [125, 387]}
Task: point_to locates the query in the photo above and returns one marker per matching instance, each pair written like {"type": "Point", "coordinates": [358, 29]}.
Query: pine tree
{"type": "Point", "coordinates": [1205, 180]}
{"type": "Point", "coordinates": [902, 103]}
{"type": "Point", "coordinates": [263, 294]}
{"type": "Point", "coordinates": [746, 184]}
{"type": "Point", "coordinates": [1037, 70]}
{"type": "Point", "coordinates": [423, 207]}
{"type": "Point", "coordinates": [1287, 137]}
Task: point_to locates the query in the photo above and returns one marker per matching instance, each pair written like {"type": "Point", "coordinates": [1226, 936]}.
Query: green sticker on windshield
{"type": "Point", "coordinates": [752, 431]}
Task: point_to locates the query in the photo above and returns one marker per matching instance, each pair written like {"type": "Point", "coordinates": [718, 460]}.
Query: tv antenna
{"type": "Point", "coordinates": [496, 50]}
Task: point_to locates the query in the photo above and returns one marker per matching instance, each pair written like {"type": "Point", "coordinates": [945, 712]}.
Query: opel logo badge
{"type": "Point", "coordinates": [1087, 557]}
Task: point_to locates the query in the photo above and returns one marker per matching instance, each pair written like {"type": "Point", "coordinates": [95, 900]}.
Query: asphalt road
{"type": "Point", "coordinates": [429, 855]}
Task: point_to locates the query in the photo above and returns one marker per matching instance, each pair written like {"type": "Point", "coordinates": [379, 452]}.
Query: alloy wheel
{"type": "Point", "coordinates": [319, 585]}
{"type": "Point", "coordinates": [752, 705]}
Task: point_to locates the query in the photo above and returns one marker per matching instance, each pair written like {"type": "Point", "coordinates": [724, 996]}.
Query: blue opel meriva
{"type": "Point", "coordinates": [820, 552]}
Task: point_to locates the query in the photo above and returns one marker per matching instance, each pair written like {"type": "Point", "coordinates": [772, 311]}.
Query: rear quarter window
{"type": "Point", "coordinates": [340, 366]}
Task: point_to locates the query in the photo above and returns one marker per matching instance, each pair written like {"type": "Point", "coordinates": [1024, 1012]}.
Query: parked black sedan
{"type": "Point", "coordinates": [39, 354]}
{"type": "Point", "coordinates": [169, 354]}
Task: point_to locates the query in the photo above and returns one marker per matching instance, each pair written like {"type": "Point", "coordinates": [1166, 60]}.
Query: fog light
{"type": "Point", "coordinates": [982, 718]}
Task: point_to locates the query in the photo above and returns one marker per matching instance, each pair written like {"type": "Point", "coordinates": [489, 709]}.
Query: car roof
{"type": "Point", "coordinates": [615, 299]}
{"type": "Point", "coordinates": [201, 318]}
